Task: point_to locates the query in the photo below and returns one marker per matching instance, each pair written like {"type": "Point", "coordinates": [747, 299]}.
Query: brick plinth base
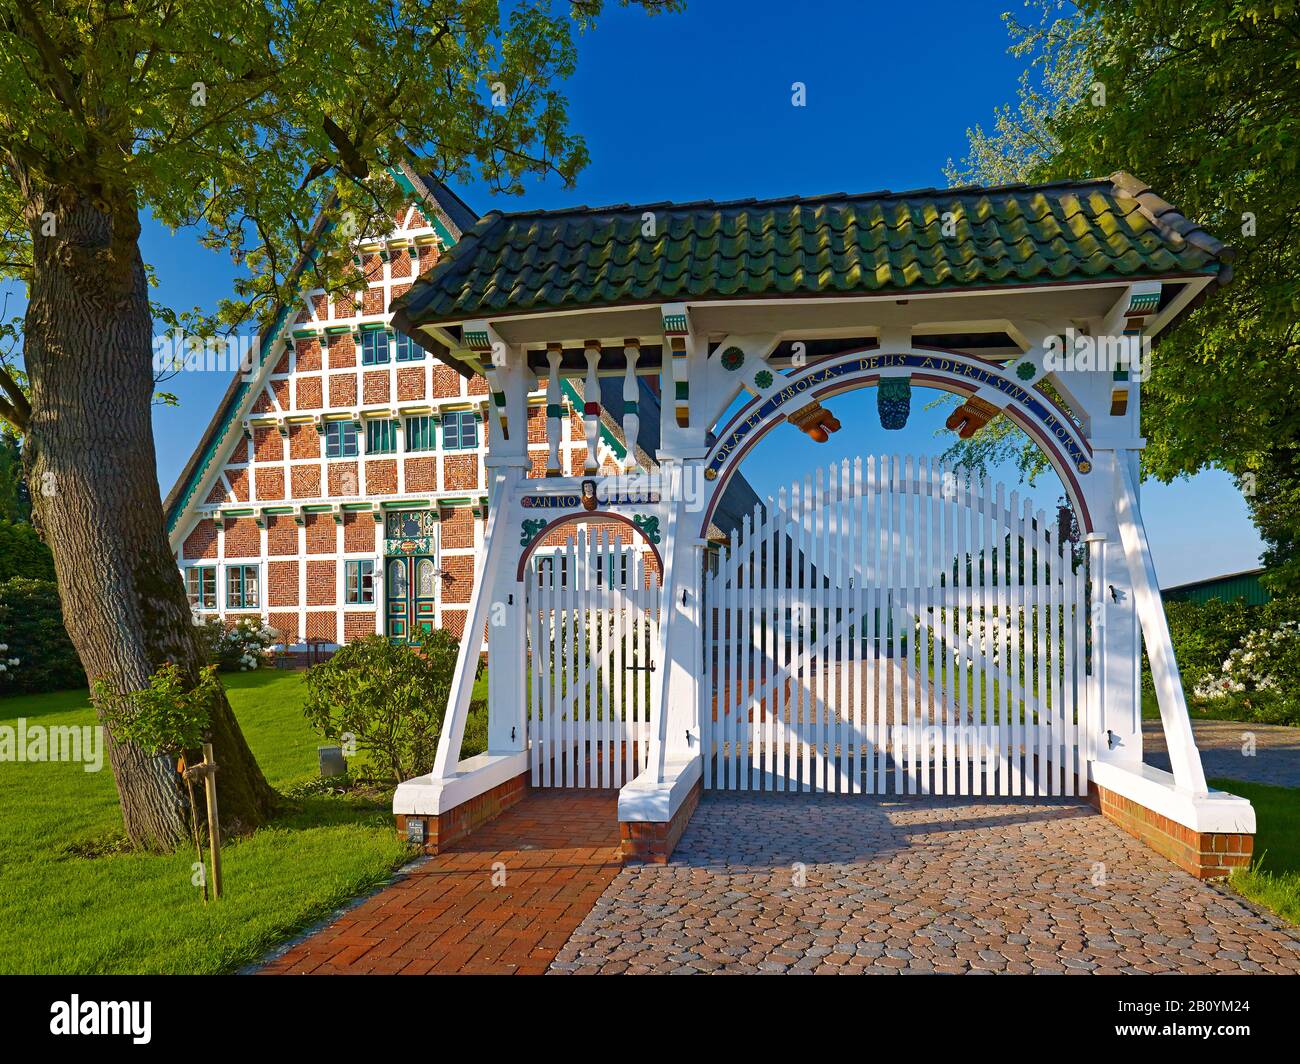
{"type": "Point", "coordinates": [649, 842]}
{"type": "Point", "coordinates": [453, 825]}
{"type": "Point", "coordinates": [1206, 855]}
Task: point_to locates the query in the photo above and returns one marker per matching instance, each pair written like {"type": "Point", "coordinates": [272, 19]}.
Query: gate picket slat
{"type": "Point", "coordinates": [949, 590]}
{"type": "Point", "coordinates": [776, 694]}
{"type": "Point", "coordinates": [582, 592]}
{"type": "Point", "coordinates": [1057, 585]}
{"type": "Point", "coordinates": [855, 642]}
{"type": "Point", "coordinates": [769, 649]}
{"type": "Point", "coordinates": [884, 626]}
{"type": "Point", "coordinates": [752, 643]}
{"type": "Point", "coordinates": [1040, 656]}
{"type": "Point", "coordinates": [805, 639]}
{"type": "Point", "coordinates": [623, 678]}
{"type": "Point", "coordinates": [929, 676]}
{"type": "Point", "coordinates": [1015, 617]}
{"type": "Point", "coordinates": [1067, 671]}
{"type": "Point", "coordinates": [987, 600]}
{"type": "Point", "coordinates": [834, 667]}
{"type": "Point", "coordinates": [870, 542]}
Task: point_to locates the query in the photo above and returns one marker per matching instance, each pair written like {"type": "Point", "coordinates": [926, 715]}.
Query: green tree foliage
{"type": "Point", "coordinates": [275, 130]}
{"type": "Point", "coordinates": [1200, 99]}
{"type": "Point", "coordinates": [31, 626]}
{"type": "Point", "coordinates": [389, 697]}
{"type": "Point", "coordinates": [268, 126]}
{"type": "Point", "coordinates": [23, 554]}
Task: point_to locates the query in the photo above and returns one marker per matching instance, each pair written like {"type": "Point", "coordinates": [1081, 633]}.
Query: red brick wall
{"type": "Point", "coordinates": [202, 542]}
{"type": "Point", "coordinates": [281, 535]}
{"type": "Point", "coordinates": [286, 624]}
{"type": "Point", "coordinates": [358, 533]}
{"type": "Point", "coordinates": [343, 352]}
{"type": "Point", "coordinates": [457, 578]}
{"type": "Point", "coordinates": [282, 583]}
{"type": "Point", "coordinates": [309, 393]}
{"type": "Point", "coordinates": [460, 472]}
{"type": "Point", "coordinates": [238, 479]}
{"type": "Point", "coordinates": [410, 384]}
{"type": "Point", "coordinates": [270, 483]}
{"type": "Point", "coordinates": [308, 355]}
{"type": "Point", "coordinates": [1206, 855]}
{"type": "Point", "coordinates": [306, 481]}
{"type": "Point", "coordinates": [343, 389]}
{"type": "Point", "coordinates": [268, 446]}
{"type": "Point", "coordinates": [421, 474]}
{"type": "Point", "coordinates": [304, 441]}
{"type": "Point", "coordinates": [376, 387]}
{"type": "Point", "coordinates": [446, 382]}
{"type": "Point", "coordinates": [358, 625]}
{"type": "Point", "coordinates": [320, 533]}
{"type": "Point", "coordinates": [321, 583]}
{"type": "Point", "coordinates": [345, 478]}
{"type": "Point", "coordinates": [381, 477]}
{"type": "Point", "coordinates": [457, 527]}
{"type": "Point", "coordinates": [322, 625]}
{"type": "Point", "coordinates": [243, 538]}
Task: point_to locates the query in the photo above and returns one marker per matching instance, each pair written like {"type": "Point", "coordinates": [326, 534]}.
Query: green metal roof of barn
{"type": "Point", "coordinates": [836, 245]}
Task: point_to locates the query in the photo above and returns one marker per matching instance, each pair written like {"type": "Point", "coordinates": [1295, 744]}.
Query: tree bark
{"type": "Point", "coordinates": [91, 466]}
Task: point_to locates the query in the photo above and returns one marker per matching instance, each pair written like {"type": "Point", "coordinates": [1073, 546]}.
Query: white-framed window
{"type": "Point", "coordinates": [242, 587]}
{"type": "Point", "coordinates": [359, 577]}
{"type": "Point", "coordinates": [201, 586]}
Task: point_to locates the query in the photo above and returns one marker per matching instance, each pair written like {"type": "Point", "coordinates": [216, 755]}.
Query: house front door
{"type": "Point", "coordinates": [411, 593]}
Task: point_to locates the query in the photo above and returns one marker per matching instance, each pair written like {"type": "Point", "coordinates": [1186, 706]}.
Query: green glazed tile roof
{"type": "Point", "coordinates": [830, 245]}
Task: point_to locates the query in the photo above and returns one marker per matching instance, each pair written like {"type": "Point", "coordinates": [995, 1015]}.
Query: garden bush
{"type": "Point", "coordinates": [31, 629]}
{"type": "Point", "coordinates": [1237, 660]}
{"type": "Point", "coordinates": [1204, 634]}
{"type": "Point", "coordinates": [239, 647]}
{"type": "Point", "coordinates": [389, 699]}
{"type": "Point", "coordinates": [22, 553]}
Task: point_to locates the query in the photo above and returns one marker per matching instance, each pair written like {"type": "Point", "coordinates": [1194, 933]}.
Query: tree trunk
{"type": "Point", "coordinates": [94, 486]}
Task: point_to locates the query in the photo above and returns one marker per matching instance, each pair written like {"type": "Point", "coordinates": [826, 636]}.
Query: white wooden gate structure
{"type": "Point", "coordinates": [896, 625]}
{"type": "Point", "coordinates": [593, 626]}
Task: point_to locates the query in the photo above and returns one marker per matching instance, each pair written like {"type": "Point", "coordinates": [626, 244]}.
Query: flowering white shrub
{"type": "Point", "coordinates": [7, 664]}
{"type": "Point", "coordinates": [240, 647]}
{"type": "Point", "coordinates": [1263, 671]}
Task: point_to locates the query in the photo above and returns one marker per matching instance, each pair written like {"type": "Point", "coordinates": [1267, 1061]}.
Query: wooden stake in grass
{"type": "Point", "coordinates": [188, 773]}
{"type": "Point", "coordinates": [206, 770]}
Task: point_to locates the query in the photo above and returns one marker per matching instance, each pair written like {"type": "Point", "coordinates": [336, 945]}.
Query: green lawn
{"type": "Point", "coordinates": [1274, 879]}
{"type": "Point", "coordinates": [129, 912]}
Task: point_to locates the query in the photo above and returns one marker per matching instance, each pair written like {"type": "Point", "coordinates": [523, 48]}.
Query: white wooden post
{"type": "Point", "coordinates": [631, 403]}
{"type": "Point", "coordinates": [554, 411]}
{"type": "Point", "coordinates": [591, 407]}
{"type": "Point", "coordinates": [1184, 758]}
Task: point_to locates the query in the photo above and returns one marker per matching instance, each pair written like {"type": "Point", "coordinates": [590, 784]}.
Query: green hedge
{"type": "Point", "coordinates": [31, 624]}
{"type": "Point", "coordinates": [23, 554]}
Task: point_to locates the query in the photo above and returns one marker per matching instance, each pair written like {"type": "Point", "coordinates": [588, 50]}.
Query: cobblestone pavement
{"type": "Point", "coordinates": [558, 850]}
{"type": "Point", "coordinates": [917, 885]}
{"type": "Point", "coordinates": [1276, 759]}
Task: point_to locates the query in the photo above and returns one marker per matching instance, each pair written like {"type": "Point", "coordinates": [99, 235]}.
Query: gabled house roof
{"type": "Point", "coordinates": [450, 217]}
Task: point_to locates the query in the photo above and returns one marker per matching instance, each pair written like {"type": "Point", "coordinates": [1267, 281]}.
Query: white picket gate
{"type": "Point", "coordinates": [895, 618]}
{"type": "Point", "coordinates": [593, 619]}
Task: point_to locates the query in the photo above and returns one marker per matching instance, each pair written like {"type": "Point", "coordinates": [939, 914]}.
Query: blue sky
{"type": "Point", "coordinates": [698, 106]}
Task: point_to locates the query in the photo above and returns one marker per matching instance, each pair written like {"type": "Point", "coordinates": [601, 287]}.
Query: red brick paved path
{"type": "Point", "coordinates": [560, 851]}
